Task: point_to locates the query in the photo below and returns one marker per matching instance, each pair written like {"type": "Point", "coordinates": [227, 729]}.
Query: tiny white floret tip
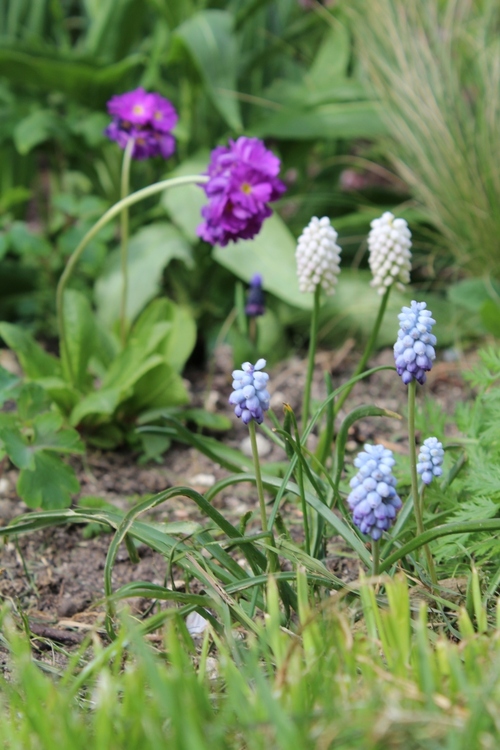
{"type": "Point", "coordinates": [389, 244]}
{"type": "Point", "coordinates": [318, 256]}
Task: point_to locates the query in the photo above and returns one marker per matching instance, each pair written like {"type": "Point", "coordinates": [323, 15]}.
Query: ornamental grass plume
{"type": "Point", "coordinates": [430, 459]}
{"type": "Point", "coordinates": [243, 180]}
{"type": "Point", "coordinates": [373, 500]}
{"type": "Point", "coordinates": [389, 243]}
{"type": "Point", "coordinates": [148, 118]}
{"type": "Point", "coordinates": [250, 397]}
{"type": "Point", "coordinates": [414, 349]}
{"type": "Point", "coordinates": [318, 256]}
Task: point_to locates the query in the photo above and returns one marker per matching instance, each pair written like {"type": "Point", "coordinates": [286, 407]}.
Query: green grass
{"type": "Point", "coordinates": [436, 68]}
{"type": "Point", "coordinates": [364, 673]}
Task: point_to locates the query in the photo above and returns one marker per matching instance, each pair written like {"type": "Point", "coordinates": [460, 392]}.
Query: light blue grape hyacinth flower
{"type": "Point", "coordinates": [250, 396]}
{"type": "Point", "coordinates": [373, 500]}
{"type": "Point", "coordinates": [430, 459]}
{"type": "Point", "coordinates": [414, 349]}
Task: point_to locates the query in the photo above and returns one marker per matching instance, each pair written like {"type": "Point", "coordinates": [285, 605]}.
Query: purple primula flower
{"type": "Point", "coordinates": [147, 118]}
{"type": "Point", "coordinates": [243, 180]}
{"type": "Point", "coordinates": [373, 500]}
{"type": "Point", "coordinates": [256, 303]}
{"type": "Point", "coordinates": [250, 397]}
{"type": "Point", "coordinates": [414, 349]}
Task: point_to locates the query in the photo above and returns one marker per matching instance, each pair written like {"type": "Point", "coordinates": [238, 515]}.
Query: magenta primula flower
{"type": "Point", "coordinates": [243, 180]}
{"type": "Point", "coordinates": [146, 117]}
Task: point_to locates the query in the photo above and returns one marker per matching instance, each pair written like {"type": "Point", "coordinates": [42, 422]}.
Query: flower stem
{"type": "Point", "coordinates": [417, 504]}
{"type": "Point", "coordinates": [375, 556]}
{"type": "Point", "coordinates": [310, 362]}
{"type": "Point", "coordinates": [368, 349]}
{"type": "Point", "coordinates": [271, 556]}
{"type": "Point", "coordinates": [124, 191]}
{"type": "Point", "coordinates": [110, 214]}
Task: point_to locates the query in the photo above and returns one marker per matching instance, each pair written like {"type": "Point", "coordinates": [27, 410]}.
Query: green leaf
{"type": "Point", "coordinates": [35, 129]}
{"type": "Point", "coordinates": [208, 420]}
{"type": "Point", "coordinates": [35, 362]}
{"type": "Point", "coordinates": [180, 341]}
{"type": "Point", "coordinates": [332, 59]}
{"type": "Point", "coordinates": [17, 448]}
{"type": "Point", "coordinates": [32, 400]}
{"type": "Point", "coordinates": [208, 37]}
{"type": "Point", "coordinates": [9, 385]}
{"type": "Point", "coordinates": [61, 392]}
{"type": "Point", "coordinates": [80, 335]}
{"type": "Point", "coordinates": [159, 387]}
{"type": "Point", "coordinates": [335, 120]}
{"type": "Point", "coordinates": [490, 317]}
{"type": "Point", "coordinates": [49, 484]}
{"type": "Point", "coordinates": [82, 81]}
{"type": "Point", "coordinates": [100, 403]}
{"type": "Point", "coordinates": [272, 254]}
{"type": "Point", "coordinates": [184, 204]}
{"type": "Point", "coordinates": [471, 294]}
{"type": "Point", "coordinates": [48, 435]}
{"type": "Point", "coordinates": [150, 250]}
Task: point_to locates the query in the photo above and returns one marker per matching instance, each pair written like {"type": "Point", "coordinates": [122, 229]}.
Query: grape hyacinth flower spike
{"type": "Point", "coordinates": [147, 118]}
{"type": "Point", "coordinates": [256, 303]}
{"type": "Point", "coordinates": [389, 243]}
{"type": "Point", "coordinates": [250, 396]}
{"type": "Point", "coordinates": [430, 459]}
{"type": "Point", "coordinates": [373, 499]}
{"type": "Point", "coordinates": [318, 256]}
{"type": "Point", "coordinates": [243, 180]}
{"type": "Point", "coordinates": [414, 349]}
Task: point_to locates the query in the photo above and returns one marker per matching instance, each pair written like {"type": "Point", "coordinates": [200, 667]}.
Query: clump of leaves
{"type": "Point", "coordinates": [32, 436]}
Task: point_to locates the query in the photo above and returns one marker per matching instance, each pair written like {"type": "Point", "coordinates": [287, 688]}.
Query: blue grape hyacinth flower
{"type": "Point", "coordinates": [430, 459]}
{"type": "Point", "coordinates": [373, 500]}
{"type": "Point", "coordinates": [250, 397]}
{"type": "Point", "coordinates": [414, 349]}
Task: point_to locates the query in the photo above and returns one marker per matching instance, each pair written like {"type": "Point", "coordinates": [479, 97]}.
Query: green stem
{"type": "Point", "coordinates": [310, 362]}
{"type": "Point", "coordinates": [271, 556]}
{"type": "Point", "coordinates": [368, 349]}
{"type": "Point", "coordinates": [375, 556]}
{"type": "Point", "coordinates": [417, 504]}
{"type": "Point", "coordinates": [124, 191]}
{"type": "Point", "coordinates": [110, 214]}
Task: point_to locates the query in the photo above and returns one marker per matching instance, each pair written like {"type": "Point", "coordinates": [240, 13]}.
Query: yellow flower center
{"type": "Point", "coordinates": [138, 109]}
{"type": "Point", "coordinates": [246, 188]}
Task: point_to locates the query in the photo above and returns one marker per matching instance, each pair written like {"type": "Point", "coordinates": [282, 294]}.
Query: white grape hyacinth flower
{"type": "Point", "coordinates": [389, 243]}
{"type": "Point", "coordinates": [318, 256]}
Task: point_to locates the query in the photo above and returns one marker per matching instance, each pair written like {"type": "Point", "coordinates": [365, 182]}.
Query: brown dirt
{"type": "Point", "coordinates": [55, 576]}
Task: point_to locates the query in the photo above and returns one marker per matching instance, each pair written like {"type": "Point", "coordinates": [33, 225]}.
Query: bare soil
{"type": "Point", "coordinates": [55, 576]}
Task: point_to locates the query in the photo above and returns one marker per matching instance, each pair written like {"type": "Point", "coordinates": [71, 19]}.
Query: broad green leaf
{"type": "Point", "coordinates": [208, 420]}
{"type": "Point", "coordinates": [35, 362]}
{"type": "Point", "coordinates": [272, 254]}
{"type": "Point", "coordinates": [180, 341]}
{"type": "Point", "coordinates": [49, 484]}
{"type": "Point", "coordinates": [149, 251]}
{"type": "Point", "coordinates": [100, 403]}
{"type": "Point", "coordinates": [32, 401]}
{"type": "Point", "coordinates": [332, 59]}
{"type": "Point", "coordinates": [471, 294]}
{"type": "Point", "coordinates": [490, 317]}
{"type": "Point", "coordinates": [35, 129]}
{"type": "Point", "coordinates": [48, 435]}
{"type": "Point", "coordinates": [17, 448]}
{"type": "Point", "coordinates": [82, 81]}
{"type": "Point", "coordinates": [128, 368]}
{"type": "Point", "coordinates": [61, 392]}
{"type": "Point", "coordinates": [9, 385]}
{"type": "Point", "coordinates": [208, 37]}
{"type": "Point", "coordinates": [184, 204]}
{"type": "Point", "coordinates": [80, 335]}
{"type": "Point", "coordinates": [159, 387]}
{"type": "Point", "coordinates": [337, 120]}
